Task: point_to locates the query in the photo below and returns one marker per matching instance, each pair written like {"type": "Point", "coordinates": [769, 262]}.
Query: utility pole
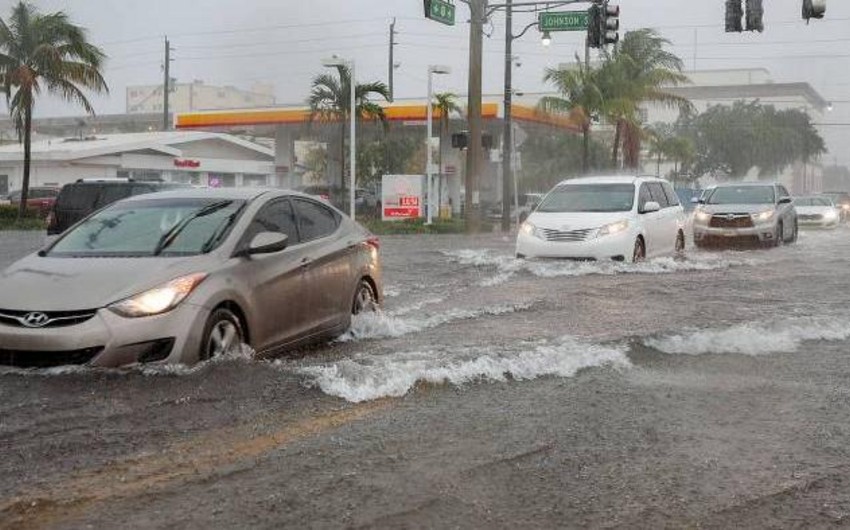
{"type": "Point", "coordinates": [472, 203]}
{"type": "Point", "coordinates": [166, 86]}
{"type": "Point", "coordinates": [507, 135]}
{"type": "Point", "coordinates": [391, 66]}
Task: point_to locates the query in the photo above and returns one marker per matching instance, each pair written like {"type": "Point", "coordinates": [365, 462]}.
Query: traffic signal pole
{"type": "Point", "coordinates": [507, 135]}
{"type": "Point", "coordinates": [472, 202]}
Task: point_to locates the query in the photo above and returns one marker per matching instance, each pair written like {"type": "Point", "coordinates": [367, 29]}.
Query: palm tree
{"type": "Point", "coordinates": [44, 52]}
{"type": "Point", "coordinates": [638, 71]}
{"type": "Point", "coordinates": [581, 99]}
{"type": "Point", "coordinates": [445, 103]}
{"type": "Point", "coordinates": [330, 101]}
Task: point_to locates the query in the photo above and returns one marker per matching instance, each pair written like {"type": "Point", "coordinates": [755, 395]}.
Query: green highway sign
{"type": "Point", "coordinates": [441, 11]}
{"type": "Point", "coordinates": [563, 21]}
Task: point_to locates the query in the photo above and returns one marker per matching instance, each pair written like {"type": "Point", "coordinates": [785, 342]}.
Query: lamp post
{"type": "Point", "coordinates": [336, 62]}
{"type": "Point", "coordinates": [439, 70]}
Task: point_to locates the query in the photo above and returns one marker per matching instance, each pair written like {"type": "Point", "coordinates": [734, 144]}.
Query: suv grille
{"type": "Point", "coordinates": [731, 220]}
{"type": "Point", "coordinates": [569, 236]}
{"type": "Point", "coordinates": [39, 359]}
{"type": "Point", "coordinates": [50, 319]}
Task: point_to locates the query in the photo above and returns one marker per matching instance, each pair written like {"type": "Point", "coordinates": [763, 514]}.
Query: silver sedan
{"type": "Point", "coordinates": [186, 275]}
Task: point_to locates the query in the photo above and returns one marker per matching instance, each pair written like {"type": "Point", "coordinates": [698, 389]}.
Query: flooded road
{"type": "Point", "coordinates": [491, 392]}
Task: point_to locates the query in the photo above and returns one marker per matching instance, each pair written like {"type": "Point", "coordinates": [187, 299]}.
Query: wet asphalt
{"type": "Point", "coordinates": [712, 391]}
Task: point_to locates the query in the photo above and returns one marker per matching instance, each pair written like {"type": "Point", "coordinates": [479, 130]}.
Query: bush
{"type": "Point", "coordinates": [33, 218]}
{"type": "Point", "coordinates": [416, 226]}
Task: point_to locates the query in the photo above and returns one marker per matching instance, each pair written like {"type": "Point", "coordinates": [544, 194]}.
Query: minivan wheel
{"type": "Point", "coordinates": [680, 244]}
{"type": "Point", "coordinates": [639, 253]}
{"type": "Point", "coordinates": [364, 299]}
{"type": "Point", "coordinates": [223, 334]}
{"type": "Point", "coordinates": [779, 238]}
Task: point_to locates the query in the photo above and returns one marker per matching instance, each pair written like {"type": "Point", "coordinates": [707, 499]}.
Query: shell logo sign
{"type": "Point", "coordinates": [401, 197]}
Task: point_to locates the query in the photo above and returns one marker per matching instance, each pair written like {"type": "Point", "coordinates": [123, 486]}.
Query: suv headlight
{"type": "Point", "coordinates": [160, 299]}
{"type": "Point", "coordinates": [529, 229]}
{"type": "Point", "coordinates": [831, 214]}
{"type": "Point", "coordinates": [702, 217]}
{"type": "Point", "coordinates": [764, 216]}
{"type": "Point", "coordinates": [613, 228]}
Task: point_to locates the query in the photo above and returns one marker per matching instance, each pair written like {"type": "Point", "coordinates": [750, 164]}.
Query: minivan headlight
{"type": "Point", "coordinates": [764, 216]}
{"type": "Point", "coordinates": [160, 299]}
{"type": "Point", "coordinates": [529, 229]}
{"type": "Point", "coordinates": [613, 228]}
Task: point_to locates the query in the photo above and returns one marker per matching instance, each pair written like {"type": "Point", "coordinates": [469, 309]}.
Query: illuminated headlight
{"type": "Point", "coordinates": [845, 207]}
{"type": "Point", "coordinates": [613, 228]}
{"type": "Point", "coordinates": [831, 215]}
{"type": "Point", "coordinates": [764, 216]}
{"type": "Point", "coordinates": [529, 229]}
{"type": "Point", "coordinates": [158, 300]}
{"type": "Point", "coordinates": [702, 217]}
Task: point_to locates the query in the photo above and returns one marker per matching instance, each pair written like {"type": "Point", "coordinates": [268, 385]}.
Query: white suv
{"type": "Point", "coordinates": [605, 218]}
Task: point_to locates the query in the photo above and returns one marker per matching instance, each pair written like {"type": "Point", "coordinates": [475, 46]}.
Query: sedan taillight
{"type": "Point", "coordinates": [374, 242]}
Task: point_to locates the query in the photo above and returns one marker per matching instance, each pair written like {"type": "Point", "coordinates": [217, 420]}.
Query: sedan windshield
{"type": "Point", "coordinates": [742, 195]}
{"type": "Point", "coordinates": [175, 227]}
{"type": "Point", "coordinates": [589, 198]}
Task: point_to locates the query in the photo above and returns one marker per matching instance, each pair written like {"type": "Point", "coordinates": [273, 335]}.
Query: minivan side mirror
{"type": "Point", "coordinates": [266, 243]}
{"type": "Point", "coordinates": [650, 207]}
{"type": "Point", "coordinates": [785, 200]}
{"type": "Point", "coordinates": [696, 200]}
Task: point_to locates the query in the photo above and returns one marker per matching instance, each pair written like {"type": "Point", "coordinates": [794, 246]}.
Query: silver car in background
{"type": "Point", "coordinates": [755, 213]}
{"type": "Point", "coordinates": [817, 212]}
{"type": "Point", "coordinates": [183, 276]}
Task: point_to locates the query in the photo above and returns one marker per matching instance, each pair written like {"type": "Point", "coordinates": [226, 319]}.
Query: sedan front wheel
{"type": "Point", "coordinates": [223, 335]}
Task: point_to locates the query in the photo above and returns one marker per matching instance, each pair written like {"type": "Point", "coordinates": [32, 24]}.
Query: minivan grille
{"type": "Point", "coordinates": [51, 319]}
{"type": "Point", "coordinates": [732, 220]}
{"type": "Point", "coordinates": [567, 236]}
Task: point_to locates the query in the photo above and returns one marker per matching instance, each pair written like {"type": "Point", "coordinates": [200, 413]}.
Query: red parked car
{"type": "Point", "coordinates": [39, 198]}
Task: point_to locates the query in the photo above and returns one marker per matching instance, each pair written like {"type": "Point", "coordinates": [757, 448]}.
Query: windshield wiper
{"type": "Point", "coordinates": [169, 237]}
{"type": "Point", "coordinates": [221, 230]}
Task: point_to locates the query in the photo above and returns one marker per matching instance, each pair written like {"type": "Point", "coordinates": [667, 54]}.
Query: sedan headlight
{"type": "Point", "coordinates": [701, 217]}
{"type": "Point", "coordinates": [160, 299]}
{"type": "Point", "coordinates": [613, 228]}
{"type": "Point", "coordinates": [529, 229]}
{"type": "Point", "coordinates": [763, 217]}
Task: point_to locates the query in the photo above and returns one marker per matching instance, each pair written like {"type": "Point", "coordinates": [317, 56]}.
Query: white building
{"type": "Point", "coordinates": [201, 158]}
{"type": "Point", "coordinates": [189, 97]}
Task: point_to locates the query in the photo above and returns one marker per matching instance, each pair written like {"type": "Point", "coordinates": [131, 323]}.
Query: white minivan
{"type": "Point", "coordinates": [605, 218]}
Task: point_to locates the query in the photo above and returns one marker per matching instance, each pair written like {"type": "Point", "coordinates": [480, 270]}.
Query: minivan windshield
{"type": "Point", "coordinates": [570, 198]}
{"type": "Point", "coordinates": [742, 195]}
{"type": "Point", "coordinates": [166, 227]}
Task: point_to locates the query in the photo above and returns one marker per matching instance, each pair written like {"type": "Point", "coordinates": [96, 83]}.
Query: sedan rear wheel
{"type": "Point", "coordinates": [365, 299]}
{"type": "Point", "coordinates": [223, 335]}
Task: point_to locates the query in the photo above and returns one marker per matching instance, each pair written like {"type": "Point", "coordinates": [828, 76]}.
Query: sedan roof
{"type": "Point", "coordinates": [211, 193]}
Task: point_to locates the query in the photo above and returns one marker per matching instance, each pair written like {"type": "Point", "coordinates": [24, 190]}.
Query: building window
{"type": "Point", "coordinates": [254, 180]}
{"type": "Point", "coordinates": [221, 180]}
{"type": "Point", "coordinates": [187, 177]}
{"type": "Point", "coordinates": [147, 174]}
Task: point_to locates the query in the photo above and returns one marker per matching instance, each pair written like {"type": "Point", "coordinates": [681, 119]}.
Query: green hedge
{"type": "Point", "coordinates": [418, 226]}
{"type": "Point", "coordinates": [32, 220]}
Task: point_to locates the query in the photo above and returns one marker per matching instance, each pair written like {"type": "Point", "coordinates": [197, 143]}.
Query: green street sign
{"type": "Point", "coordinates": [563, 21]}
{"type": "Point", "coordinates": [441, 11]}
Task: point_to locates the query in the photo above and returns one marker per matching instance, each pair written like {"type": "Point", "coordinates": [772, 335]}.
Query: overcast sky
{"type": "Point", "coordinates": [239, 42]}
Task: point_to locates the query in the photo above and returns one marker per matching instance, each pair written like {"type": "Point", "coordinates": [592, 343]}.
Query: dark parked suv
{"type": "Point", "coordinates": [83, 197]}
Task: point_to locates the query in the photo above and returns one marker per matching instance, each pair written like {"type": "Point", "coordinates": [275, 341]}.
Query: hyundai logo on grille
{"type": "Point", "coordinates": [35, 320]}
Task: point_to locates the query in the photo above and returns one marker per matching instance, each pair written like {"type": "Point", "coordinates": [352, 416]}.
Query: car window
{"type": "Point", "coordinates": [783, 192]}
{"type": "Point", "coordinates": [672, 198]}
{"type": "Point", "coordinates": [77, 197]}
{"type": "Point", "coordinates": [658, 194]}
{"type": "Point", "coordinates": [315, 220]}
{"type": "Point", "coordinates": [111, 193]}
{"type": "Point", "coordinates": [589, 198]}
{"type": "Point", "coordinates": [644, 196]}
{"type": "Point", "coordinates": [276, 216]}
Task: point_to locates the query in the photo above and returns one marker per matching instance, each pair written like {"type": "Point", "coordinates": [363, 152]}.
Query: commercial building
{"type": "Point", "coordinates": [194, 157]}
{"type": "Point", "coordinates": [189, 97]}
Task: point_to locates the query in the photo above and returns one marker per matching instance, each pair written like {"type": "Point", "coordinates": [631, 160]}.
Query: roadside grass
{"type": "Point", "coordinates": [416, 226]}
{"type": "Point", "coordinates": [32, 220]}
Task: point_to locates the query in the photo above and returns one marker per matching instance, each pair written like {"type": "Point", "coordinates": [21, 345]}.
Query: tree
{"type": "Point", "coordinates": [330, 101]}
{"type": "Point", "coordinates": [638, 71]}
{"type": "Point", "coordinates": [550, 156]}
{"type": "Point", "coordinates": [581, 99]}
{"type": "Point", "coordinates": [445, 103]}
{"type": "Point", "coordinates": [44, 52]}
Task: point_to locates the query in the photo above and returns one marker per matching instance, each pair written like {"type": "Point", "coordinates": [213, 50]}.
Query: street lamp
{"type": "Point", "coordinates": [547, 39]}
{"type": "Point", "coordinates": [336, 62]}
{"type": "Point", "coordinates": [439, 70]}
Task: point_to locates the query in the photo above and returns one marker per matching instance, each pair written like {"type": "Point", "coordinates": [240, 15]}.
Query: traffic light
{"type": "Point", "coordinates": [755, 15]}
{"type": "Point", "coordinates": [610, 23]}
{"type": "Point", "coordinates": [813, 9]}
{"type": "Point", "coordinates": [734, 14]}
{"type": "Point", "coordinates": [594, 26]}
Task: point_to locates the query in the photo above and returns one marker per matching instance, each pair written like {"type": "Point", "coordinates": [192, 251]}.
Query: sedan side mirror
{"type": "Point", "coordinates": [786, 200]}
{"type": "Point", "coordinates": [266, 243]}
{"type": "Point", "coordinates": [651, 207]}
